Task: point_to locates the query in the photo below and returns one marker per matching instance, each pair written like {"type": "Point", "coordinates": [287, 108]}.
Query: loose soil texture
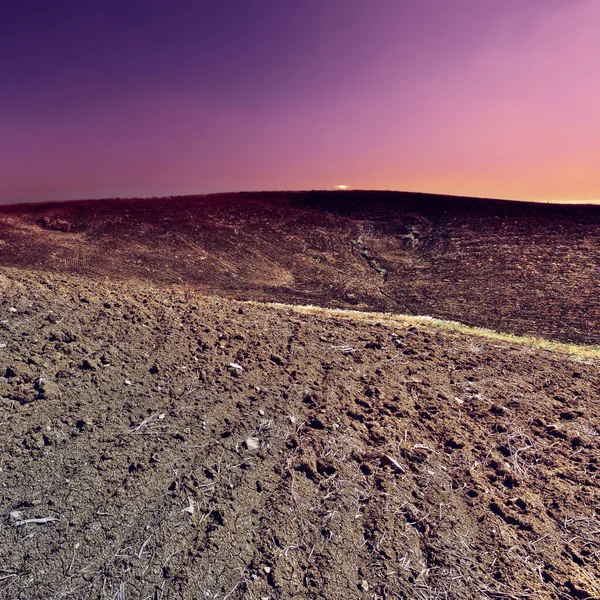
{"type": "Point", "coordinates": [161, 445]}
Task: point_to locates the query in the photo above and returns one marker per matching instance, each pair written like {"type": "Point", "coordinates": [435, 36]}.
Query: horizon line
{"type": "Point", "coordinates": [333, 189]}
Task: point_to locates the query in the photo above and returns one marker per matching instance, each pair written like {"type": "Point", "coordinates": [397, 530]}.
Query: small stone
{"type": "Point", "coordinates": [252, 443]}
{"type": "Point", "coordinates": [364, 585]}
{"type": "Point", "coordinates": [127, 382]}
{"type": "Point", "coordinates": [236, 366]}
{"type": "Point", "coordinates": [267, 570]}
{"type": "Point", "coordinates": [12, 309]}
{"type": "Point", "coordinates": [17, 515]}
{"type": "Point", "coordinates": [261, 412]}
{"type": "Point", "coordinates": [47, 389]}
{"type": "Point", "coordinates": [2, 345]}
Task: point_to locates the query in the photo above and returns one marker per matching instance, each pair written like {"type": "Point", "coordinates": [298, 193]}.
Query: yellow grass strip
{"type": "Point", "coordinates": [577, 352]}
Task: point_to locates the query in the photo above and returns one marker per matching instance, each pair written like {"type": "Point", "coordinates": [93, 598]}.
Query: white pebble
{"type": "Point", "coordinates": [252, 443]}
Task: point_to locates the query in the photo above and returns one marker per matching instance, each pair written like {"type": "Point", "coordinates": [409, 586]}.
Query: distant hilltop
{"type": "Point", "coordinates": [519, 267]}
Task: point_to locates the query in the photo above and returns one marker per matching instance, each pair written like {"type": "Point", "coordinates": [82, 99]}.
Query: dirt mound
{"type": "Point", "coordinates": [158, 445]}
{"type": "Point", "coordinates": [518, 267]}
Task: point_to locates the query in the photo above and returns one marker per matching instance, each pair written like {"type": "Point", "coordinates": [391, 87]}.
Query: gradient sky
{"type": "Point", "coordinates": [496, 98]}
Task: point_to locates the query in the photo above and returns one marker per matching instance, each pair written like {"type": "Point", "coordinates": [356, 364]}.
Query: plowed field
{"type": "Point", "coordinates": [157, 444]}
{"type": "Point", "coordinates": [517, 267]}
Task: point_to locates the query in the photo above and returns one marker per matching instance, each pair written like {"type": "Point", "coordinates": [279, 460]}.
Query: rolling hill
{"type": "Point", "coordinates": [524, 268]}
{"type": "Point", "coordinates": [176, 423]}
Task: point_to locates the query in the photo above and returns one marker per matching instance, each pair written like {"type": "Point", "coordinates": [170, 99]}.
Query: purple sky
{"type": "Point", "coordinates": [164, 97]}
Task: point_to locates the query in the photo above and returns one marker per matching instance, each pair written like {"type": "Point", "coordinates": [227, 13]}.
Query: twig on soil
{"type": "Point", "coordinates": [235, 587]}
{"type": "Point", "coordinates": [423, 447]}
{"type": "Point", "coordinates": [41, 521]}
{"type": "Point", "coordinates": [146, 421]}
{"type": "Point", "coordinates": [120, 595]}
{"type": "Point", "coordinates": [118, 555]}
{"type": "Point", "coordinates": [291, 472]}
{"type": "Point", "coordinates": [345, 349]}
{"type": "Point", "coordinates": [402, 362]}
{"type": "Point", "coordinates": [205, 516]}
{"type": "Point", "coordinates": [75, 548]}
{"type": "Point", "coordinates": [170, 557]}
{"type": "Point", "coordinates": [142, 548]}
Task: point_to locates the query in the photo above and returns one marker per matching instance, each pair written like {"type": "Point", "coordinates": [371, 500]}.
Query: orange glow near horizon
{"type": "Point", "coordinates": [467, 98]}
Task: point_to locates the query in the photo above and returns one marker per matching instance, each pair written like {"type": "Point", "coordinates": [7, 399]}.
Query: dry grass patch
{"type": "Point", "coordinates": [577, 352]}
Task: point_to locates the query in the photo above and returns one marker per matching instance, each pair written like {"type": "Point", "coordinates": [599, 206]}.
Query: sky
{"type": "Point", "coordinates": [167, 97]}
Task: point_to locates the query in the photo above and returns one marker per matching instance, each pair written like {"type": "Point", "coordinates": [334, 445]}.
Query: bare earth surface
{"type": "Point", "coordinates": [156, 444]}
{"type": "Point", "coordinates": [518, 267]}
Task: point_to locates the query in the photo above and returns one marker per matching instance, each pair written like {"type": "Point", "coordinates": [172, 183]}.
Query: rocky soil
{"type": "Point", "coordinates": [512, 266]}
{"type": "Point", "coordinates": [160, 445]}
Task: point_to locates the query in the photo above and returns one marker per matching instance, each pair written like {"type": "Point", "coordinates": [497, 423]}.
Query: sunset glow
{"type": "Point", "coordinates": [467, 97]}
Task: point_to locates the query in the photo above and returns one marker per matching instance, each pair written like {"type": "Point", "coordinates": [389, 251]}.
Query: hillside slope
{"type": "Point", "coordinates": [516, 267]}
{"type": "Point", "coordinates": [186, 447]}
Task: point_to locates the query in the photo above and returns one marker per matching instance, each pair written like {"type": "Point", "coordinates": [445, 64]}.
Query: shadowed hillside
{"type": "Point", "coordinates": [517, 267]}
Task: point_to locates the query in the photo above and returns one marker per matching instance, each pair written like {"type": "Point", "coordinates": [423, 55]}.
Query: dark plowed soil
{"type": "Point", "coordinates": [516, 267]}
{"type": "Point", "coordinates": [190, 448]}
